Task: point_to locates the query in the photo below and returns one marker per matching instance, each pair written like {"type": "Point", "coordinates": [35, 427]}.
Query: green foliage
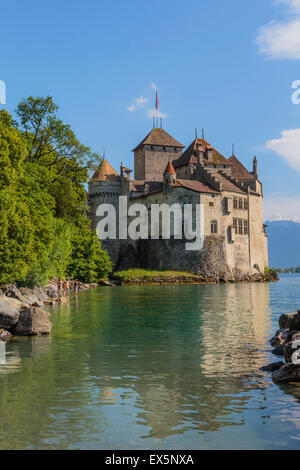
{"type": "Point", "coordinates": [151, 274]}
{"type": "Point", "coordinates": [288, 270]}
{"type": "Point", "coordinates": [88, 261]}
{"type": "Point", "coordinates": [44, 230]}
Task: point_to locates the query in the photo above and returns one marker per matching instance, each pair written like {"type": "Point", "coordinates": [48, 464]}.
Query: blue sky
{"type": "Point", "coordinates": [226, 67]}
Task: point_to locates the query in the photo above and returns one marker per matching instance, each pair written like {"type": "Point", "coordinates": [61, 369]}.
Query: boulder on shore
{"type": "Point", "coordinates": [290, 321]}
{"type": "Point", "coordinates": [279, 337]}
{"type": "Point", "coordinates": [287, 373]}
{"type": "Point", "coordinates": [272, 367]}
{"type": "Point", "coordinates": [9, 312]}
{"type": "Point", "coordinates": [278, 351]}
{"type": "Point", "coordinates": [106, 283]}
{"type": "Point", "coordinates": [52, 291]}
{"type": "Point", "coordinates": [5, 336]}
{"type": "Point", "coordinates": [32, 321]}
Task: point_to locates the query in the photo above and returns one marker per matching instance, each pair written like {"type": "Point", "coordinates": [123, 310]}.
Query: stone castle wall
{"type": "Point", "coordinates": [150, 165]}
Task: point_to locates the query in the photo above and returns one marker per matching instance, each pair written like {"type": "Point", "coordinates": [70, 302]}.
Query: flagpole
{"type": "Point", "coordinates": [156, 106]}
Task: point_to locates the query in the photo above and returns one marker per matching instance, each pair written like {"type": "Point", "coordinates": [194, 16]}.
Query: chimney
{"type": "Point", "coordinates": [255, 167]}
{"type": "Point", "coordinates": [210, 155]}
{"type": "Point", "coordinates": [200, 153]}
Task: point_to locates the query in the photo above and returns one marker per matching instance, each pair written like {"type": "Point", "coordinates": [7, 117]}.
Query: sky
{"type": "Point", "coordinates": [231, 68]}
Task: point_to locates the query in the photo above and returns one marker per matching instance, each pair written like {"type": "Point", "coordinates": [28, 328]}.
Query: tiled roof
{"type": "Point", "coordinates": [228, 185]}
{"type": "Point", "coordinates": [139, 185]}
{"type": "Point", "coordinates": [239, 171]}
{"type": "Point", "coordinates": [159, 137]}
{"type": "Point", "coordinates": [105, 172]}
{"type": "Point", "coordinates": [197, 186]}
{"type": "Point", "coordinates": [190, 155]}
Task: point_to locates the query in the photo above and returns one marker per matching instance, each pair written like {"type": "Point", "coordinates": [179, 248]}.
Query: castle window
{"type": "Point", "coordinates": [214, 226]}
{"type": "Point", "coordinates": [235, 203]}
{"type": "Point", "coordinates": [240, 226]}
{"type": "Point", "coordinates": [246, 204]}
{"type": "Point", "coordinates": [235, 226]}
{"type": "Point", "coordinates": [246, 231]}
{"type": "Point", "coordinates": [240, 203]}
{"type": "Point", "coordinates": [211, 204]}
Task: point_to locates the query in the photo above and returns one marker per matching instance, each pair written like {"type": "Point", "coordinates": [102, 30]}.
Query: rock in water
{"type": "Point", "coordinates": [106, 283]}
{"type": "Point", "coordinates": [278, 351]}
{"type": "Point", "coordinates": [5, 336]}
{"type": "Point", "coordinates": [290, 321]}
{"type": "Point", "coordinates": [32, 321]}
{"type": "Point", "coordinates": [273, 366]}
{"type": "Point", "coordinates": [9, 312]}
{"type": "Point", "coordinates": [279, 337]}
{"type": "Point", "coordinates": [287, 373]}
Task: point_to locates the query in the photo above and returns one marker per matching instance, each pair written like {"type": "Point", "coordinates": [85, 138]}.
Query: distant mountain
{"type": "Point", "coordinates": [284, 243]}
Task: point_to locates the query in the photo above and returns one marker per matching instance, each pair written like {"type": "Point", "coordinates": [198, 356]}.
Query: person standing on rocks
{"type": "Point", "coordinates": [76, 287]}
{"type": "Point", "coordinates": [67, 287]}
{"type": "Point", "coordinates": [59, 286]}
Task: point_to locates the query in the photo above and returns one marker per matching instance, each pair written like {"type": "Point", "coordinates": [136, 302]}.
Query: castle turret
{"type": "Point", "coordinates": [169, 175]}
{"type": "Point", "coordinates": [105, 188]}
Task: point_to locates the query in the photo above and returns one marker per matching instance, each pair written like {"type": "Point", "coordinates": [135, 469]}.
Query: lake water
{"type": "Point", "coordinates": [162, 367]}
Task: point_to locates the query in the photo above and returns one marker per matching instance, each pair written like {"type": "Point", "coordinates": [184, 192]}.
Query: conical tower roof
{"type": "Point", "coordinates": [170, 169]}
{"type": "Point", "coordinates": [105, 172]}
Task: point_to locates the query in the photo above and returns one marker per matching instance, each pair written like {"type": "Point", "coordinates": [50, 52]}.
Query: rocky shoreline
{"type": "Point", "coordinates": [285, 344]}
{"type": "Point", "coordinates": [20, 309]}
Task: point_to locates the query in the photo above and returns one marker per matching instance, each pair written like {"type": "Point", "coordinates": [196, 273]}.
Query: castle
{"type": "Point", "coordinates": [235, 241]}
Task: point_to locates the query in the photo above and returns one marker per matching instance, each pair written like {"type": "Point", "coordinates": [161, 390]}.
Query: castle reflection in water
{"type": "Point", "coordinates": [162, 360]}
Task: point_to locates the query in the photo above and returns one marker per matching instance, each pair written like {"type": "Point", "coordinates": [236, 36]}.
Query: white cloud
{"type": "Point", "coordinates": [138, 103]}
{"type": "Point", "coordinates": [282, 208]}
{"type": "Point", "coordinates": [141, 101]}
{"type": "Point", "coordinates": [155, 113]}
{"type": "Point", "coordinates": [287, 147]}
{"type": "Point", "coordinates": [293, 5]}
{"type": "Point", "coordinates": [281, 40]}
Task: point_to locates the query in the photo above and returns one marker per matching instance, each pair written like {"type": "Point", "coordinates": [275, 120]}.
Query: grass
{"type": "Point", "coordinates": [149, 274]}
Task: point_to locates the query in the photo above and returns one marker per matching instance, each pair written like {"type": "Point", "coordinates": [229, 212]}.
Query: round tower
{"type": "Point", "coordinates": [105, 188]}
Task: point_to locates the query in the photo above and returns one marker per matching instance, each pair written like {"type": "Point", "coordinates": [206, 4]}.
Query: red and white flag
{"type": "Point", "coordinates": [156, 101]}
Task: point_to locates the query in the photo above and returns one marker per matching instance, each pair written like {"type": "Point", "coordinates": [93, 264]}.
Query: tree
{"type": "Point", "coordinates": [16, 231]}
{"type": "Point", "coordinates": [88, 261]}
{"type": "Point", "coordinates": [44, 229]}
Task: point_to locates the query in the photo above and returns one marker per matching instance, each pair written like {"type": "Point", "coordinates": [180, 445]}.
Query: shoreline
{"type": "Point", "coordinates": [285, 344]}
{"type": "Point", "coordinates": [21, 308]}
{"type": "Point", "coordinates": [137, 277]}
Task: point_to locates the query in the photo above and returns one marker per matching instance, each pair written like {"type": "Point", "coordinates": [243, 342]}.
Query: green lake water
{"type": "Point", "coordinates": [160, 367]}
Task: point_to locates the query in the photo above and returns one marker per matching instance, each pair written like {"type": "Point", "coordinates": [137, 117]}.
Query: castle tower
{"type": "Point", "coordinates": [152, 155]}
{"type": "Point", "coordinates": [105, 187]}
